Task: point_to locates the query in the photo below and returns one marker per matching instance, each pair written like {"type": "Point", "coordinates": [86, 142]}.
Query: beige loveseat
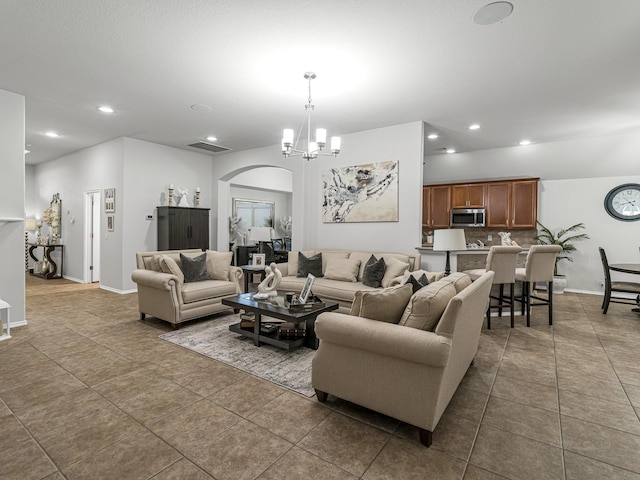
{"type": "Point", "coordinates": [343, 290]}
{"type": "Point", "coordinates": [165, 295]}
{"type": "Point", "coordinates": [403, 371]}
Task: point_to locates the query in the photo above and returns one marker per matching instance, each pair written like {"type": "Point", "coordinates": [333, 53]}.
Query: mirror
{"type": "Point", "coordinates": [52, 217]}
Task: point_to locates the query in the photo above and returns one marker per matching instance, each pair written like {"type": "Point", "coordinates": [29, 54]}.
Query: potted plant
{"type": "Point", "coordinates": [565, 238]}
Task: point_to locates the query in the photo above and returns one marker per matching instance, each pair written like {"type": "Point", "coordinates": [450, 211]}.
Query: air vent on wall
{"type": "Point", "coordinates": [209, 147]}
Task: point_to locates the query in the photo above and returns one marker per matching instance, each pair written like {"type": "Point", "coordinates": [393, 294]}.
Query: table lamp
{"type": "Point", "coordinates": [260, 235]}
{"type": "Point", "coordinates": [449, 240]}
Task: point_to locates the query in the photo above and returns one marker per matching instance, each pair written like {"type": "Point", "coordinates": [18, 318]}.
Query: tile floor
{"type": "Point", "coordinates": [89, 391]}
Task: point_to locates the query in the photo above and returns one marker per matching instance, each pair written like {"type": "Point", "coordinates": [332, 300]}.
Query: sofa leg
{"type": "Point", "coordinates": [425, 437]}
{"type": "Point", "coordinates": [142, 315]}
{"type": "Point", "coordinates": [176, 326]}
{"type": "Point", "coordinates": [236, 310]}
{"type": "Point", "coordinates": [322, 396]}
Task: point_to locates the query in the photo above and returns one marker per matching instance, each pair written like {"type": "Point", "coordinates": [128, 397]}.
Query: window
{"type": "Point", "coordinates": [254, 213]}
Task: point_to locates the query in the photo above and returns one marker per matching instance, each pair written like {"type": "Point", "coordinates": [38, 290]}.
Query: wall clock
{"type": "Point", "coordinates": [623, 202]}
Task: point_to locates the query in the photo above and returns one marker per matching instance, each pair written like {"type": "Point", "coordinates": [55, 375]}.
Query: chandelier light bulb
{"type": "Point", "coordinates": [287, 137]}
{"type": "Point", "coordinates": [335, 145]}
{"type": "Point", "coordinates": [321, 137]}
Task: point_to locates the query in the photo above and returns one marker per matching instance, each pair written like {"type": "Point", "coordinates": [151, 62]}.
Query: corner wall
{"type": "Point", "coordinates": [12, 193]}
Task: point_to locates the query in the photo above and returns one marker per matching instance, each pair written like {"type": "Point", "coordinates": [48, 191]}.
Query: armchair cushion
{"type": "Point", "coordinates": [169, 265]}
{"type": "Point", "coordinates": [342, 269]}
{"type": "Point", "coordinates": [373, 272]}
{"type": "Point", "coordinates": [384, 305]}
{"type": "Point", "coordinates": [394, 268]}
{"type": "Point", "coordinates": [427, 305]}
{"type": "Point", "coordinates": [218, 264]}
{"type": "Point", "coordinates": [194, 268]}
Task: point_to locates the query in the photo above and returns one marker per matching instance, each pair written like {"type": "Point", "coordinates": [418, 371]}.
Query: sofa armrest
{"type": "Point", "coordinates": [236, 276]}
{"type": "Point", "coordinates": [150, 278]}
{"type": "Point", "coordinates": [383, 338]}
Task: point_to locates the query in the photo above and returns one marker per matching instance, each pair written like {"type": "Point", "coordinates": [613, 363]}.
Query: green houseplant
{"type": "Point", "coordinates": [565, 238]}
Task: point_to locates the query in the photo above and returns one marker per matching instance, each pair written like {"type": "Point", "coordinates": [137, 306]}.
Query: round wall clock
{"type": "Point", "coordinates": [623, 202]}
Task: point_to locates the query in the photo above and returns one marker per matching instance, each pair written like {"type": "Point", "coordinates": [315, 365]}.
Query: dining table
{"type": "Point", "coordinates": [632, 268]}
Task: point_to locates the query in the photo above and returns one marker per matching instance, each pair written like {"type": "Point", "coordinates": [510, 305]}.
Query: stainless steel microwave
{"type": "Point", "coordinates": [468, 217]}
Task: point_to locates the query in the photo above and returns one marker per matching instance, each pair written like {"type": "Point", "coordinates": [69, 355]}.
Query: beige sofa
{"type": "Point", "coordinates": [341, 291]}
{"type": "Point", "coordinates": [407, 373]}
{"type": "Point", "coordinates": [166, 296]}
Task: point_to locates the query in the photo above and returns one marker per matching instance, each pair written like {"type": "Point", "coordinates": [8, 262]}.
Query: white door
{"type": "Point", "coordinates": [92, 238]}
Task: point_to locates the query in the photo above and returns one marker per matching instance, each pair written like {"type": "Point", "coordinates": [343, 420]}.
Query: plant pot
{"type": "Point", "coordinates": [559, 284]}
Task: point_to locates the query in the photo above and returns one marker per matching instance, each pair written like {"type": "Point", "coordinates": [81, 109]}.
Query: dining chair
{"type": "Point", "coordinates": [616, 287]}
{"type": "Point", "coordinates": [501, 261]}
{"type": "Point", "coordinates": [538, 268]}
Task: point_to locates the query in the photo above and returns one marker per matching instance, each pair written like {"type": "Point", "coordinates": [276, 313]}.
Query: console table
{"type": "Point", "coordinates": [52, 272]}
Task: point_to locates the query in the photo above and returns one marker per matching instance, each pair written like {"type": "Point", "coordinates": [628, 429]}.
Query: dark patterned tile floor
{"type": "Point", "coordinates": [89, 391]}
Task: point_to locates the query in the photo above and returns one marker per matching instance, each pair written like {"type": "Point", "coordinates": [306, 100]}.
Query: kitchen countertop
{"type": "Point", "coordinates": [468, 251]}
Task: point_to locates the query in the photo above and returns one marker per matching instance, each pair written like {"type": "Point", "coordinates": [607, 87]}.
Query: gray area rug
{"type": "Point", "coordinates": [290, 369]}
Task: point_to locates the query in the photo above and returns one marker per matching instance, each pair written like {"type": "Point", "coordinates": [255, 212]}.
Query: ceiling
{"type": "Point", "coordinates": [553, 70]}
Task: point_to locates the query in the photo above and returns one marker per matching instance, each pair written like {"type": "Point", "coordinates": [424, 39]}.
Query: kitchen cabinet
{"type": "Point", "coordinates": [181, 227]}
{"type": "Point", "coordinates": [512, 204]}
{"type": "Point", "coordinates": [508, 203]}
{"type": "Point", "coordinates": [468, 196]}
{"type": "Point", "coordinates": [436, 204]}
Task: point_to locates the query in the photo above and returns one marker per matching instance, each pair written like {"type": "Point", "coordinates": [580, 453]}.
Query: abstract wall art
{"type": "Point", "coordinates": [361, 193]}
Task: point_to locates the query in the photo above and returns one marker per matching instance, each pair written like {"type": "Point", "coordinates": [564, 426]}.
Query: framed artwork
{"type": "Point", "coordinates": [110, 222]}
{"type": "Point", "coordinates": [259, 259]}
{"type": "Point", "coordinates": [361, 193]}
{"type": "Point", "coordinates": [110, 200]}
{"type": "Point", "coordinates": [306, 290]}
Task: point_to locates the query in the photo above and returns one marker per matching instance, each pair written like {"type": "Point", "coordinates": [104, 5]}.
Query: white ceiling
{"type": "Point", "coordinates": [553, 70]}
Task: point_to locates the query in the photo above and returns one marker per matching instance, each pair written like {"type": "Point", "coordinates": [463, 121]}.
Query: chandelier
{"type": "Point", "coordinates": [314, 149]}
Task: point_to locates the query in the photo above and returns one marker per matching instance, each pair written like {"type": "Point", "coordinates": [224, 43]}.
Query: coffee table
{"type": "Point", "coordinates": [277, 307]}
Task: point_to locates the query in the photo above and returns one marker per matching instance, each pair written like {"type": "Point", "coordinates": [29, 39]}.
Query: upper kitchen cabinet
{"type": "Point", "coordinates": [468, 196]}
{"type": "Point", "coordinates": [512, 204]}
{"type": "Point", "coordinates": [436, 204]}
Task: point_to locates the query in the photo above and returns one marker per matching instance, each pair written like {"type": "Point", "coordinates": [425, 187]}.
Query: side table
{"type": "Point", "coordinates": [249, 270]}
{"type": "Point", "coordinates": [5, 333]}
{"type": "Point", "coordinates": [52, 272]}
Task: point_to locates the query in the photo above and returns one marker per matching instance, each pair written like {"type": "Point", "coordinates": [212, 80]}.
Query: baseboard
{"type": "Point", "coordinates": [73, 279]}
{"type": "Point", "coordinates": [115, 290]}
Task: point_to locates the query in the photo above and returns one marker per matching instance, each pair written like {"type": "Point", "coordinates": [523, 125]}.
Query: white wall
{"type": "Point", "coordinates": [140, 172]}
{"type": "Point", "coordinates": [12, 181]}
{"type": "Point", "coordinates": [401, 142]}
{"type": "Point", "coordinates": [148, 170]}
{"type": "Point", "coordinates": [94, 168]}
{"type": "Point", "coordinates": [575, 177]}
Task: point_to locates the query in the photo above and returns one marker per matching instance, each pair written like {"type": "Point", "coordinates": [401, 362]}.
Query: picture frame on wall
{"type": "Point", "coordinates": [110, 223]}
{"type": "Point", "coordinates": [259, 259]}
{"type": "Point", "coordinates": [109, 200]}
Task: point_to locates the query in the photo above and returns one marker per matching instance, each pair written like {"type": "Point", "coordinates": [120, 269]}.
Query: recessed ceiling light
{"type": "Point", "coordinates": [493, 13]}
{"type": "Point", "coordinates": [199, 107]}
{"type": "Point", "coordinates": [105, 109]}
{"type": "Point", "coordinates": [432, 136]}
{"type": "Point", "coordinates": [52, 134]}
{"type": "Point", "coordinates": [211, 138]}
{"type": "Point", "coordinates": [450, 150]}
{"type": "Point", "coordinates": [524, 142]}
{"type": "Point", "coordinates": [475, 126]}
{"type": "Point", "coordinates": [26, 151]}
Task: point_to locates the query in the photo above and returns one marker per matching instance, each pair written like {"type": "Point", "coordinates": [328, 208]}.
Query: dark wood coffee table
{"type": "Point", "coordinates": [276, 307]}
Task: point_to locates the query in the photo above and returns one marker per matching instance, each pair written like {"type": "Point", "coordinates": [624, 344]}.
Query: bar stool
{"type": "Point", "coordinates": [541, 261]}
{"type": "Point", "coordinates": [502, 261]}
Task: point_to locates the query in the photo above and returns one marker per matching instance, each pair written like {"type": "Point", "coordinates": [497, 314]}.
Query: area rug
{"type": "Point", "coordinates": [290, 369]}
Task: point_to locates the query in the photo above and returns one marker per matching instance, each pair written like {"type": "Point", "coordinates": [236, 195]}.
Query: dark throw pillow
{"type": "Point", "coordinates": [373, 272]}
{"type": "Point", "coordinates": [194, 268]}
{"type": "Point", "coordinates": [417, 284]}
{"type": "Point", "coordinates": [310, 265]}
